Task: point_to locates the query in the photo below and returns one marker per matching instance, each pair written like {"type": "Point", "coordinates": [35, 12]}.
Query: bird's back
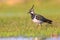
{"type": "Point", "coordinates": [42, 18]}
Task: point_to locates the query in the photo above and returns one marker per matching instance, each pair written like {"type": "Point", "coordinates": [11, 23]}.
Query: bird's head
{"type": "Point", "coordinates": [31, 11]}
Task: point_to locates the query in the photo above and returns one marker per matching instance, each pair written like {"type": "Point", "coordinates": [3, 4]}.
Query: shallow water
{"type": "Point", "coordinates": [16, 38]}
{"type": "Point", "coordinates": [28, 38]}
{"type": "Point", "coordinates": [53, 38]}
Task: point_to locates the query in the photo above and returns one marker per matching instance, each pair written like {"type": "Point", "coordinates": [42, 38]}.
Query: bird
{"type": "Point", "coordinates": [37, 18]}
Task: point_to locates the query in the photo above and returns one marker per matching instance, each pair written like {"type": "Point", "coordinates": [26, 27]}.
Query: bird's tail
{"type": "Point", "coordinates": [49, 21]}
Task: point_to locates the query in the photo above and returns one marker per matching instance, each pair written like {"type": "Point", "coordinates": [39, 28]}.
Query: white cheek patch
{"type": "Point", "coordinates": [32, 12]}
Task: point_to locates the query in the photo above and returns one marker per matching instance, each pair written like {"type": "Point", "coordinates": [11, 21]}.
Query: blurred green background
{"type": "Point", "coordinates": [15, 19]}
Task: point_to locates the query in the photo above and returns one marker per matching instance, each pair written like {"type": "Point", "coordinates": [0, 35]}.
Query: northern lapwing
{"type": "Point", "coordinates": [39, 19]}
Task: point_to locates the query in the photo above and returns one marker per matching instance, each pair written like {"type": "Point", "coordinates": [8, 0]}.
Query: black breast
{"type": "Point", "coordinates": [32, 16]}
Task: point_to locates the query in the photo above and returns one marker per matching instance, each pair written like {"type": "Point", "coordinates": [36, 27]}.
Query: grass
{"type": "Point", "coordinates": [17, 22]}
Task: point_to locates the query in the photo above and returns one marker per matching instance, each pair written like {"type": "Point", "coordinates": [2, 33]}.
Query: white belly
{"type": "Point", "coordinates": [36, 21]}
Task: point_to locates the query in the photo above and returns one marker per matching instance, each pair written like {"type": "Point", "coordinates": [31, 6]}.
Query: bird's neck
{"type": "Point", "coordinates": [32, 16]}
